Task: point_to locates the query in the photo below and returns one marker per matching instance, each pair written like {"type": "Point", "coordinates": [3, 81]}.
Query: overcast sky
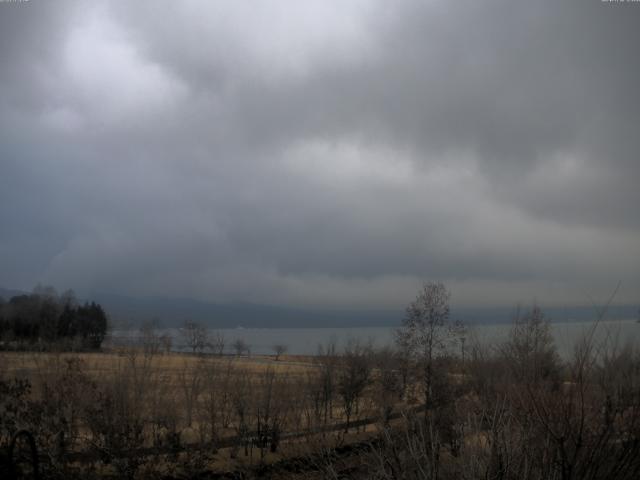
{"type": "Point", "coordinates": [322, 153]}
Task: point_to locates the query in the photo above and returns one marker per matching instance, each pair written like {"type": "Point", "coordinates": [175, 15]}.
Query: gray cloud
{"type": "Point", "coordinates": [320, 155]}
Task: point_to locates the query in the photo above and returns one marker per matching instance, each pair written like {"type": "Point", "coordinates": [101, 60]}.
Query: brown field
{"type": "Point", "coordinates": [97, 364]}
{"type": "Point", "coordinates": [172, 393]}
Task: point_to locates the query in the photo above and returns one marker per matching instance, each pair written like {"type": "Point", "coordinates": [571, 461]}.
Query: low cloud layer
{"type": "Point", "coordinates": [309, 153]}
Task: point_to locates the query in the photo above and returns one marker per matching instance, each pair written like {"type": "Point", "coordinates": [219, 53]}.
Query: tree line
{"type": "Point", "coordinates": [44, 318]}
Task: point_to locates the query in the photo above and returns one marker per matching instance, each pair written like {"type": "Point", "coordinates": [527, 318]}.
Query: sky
{"type": "Point", "coordinates": [321, 153]}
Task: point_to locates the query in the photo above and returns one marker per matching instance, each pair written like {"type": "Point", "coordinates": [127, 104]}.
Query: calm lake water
{"type": "Point", "coordinates": [305, 341]}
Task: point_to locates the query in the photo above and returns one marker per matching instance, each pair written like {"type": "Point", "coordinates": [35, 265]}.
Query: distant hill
{"type": "Point", "coordinates": [171, 312]}
{"type": "Point", "coordinates": [6, 293]}
{"type": "Point", "coordinates": [498, 315]}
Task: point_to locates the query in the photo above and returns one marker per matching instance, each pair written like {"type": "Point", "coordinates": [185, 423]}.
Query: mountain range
{"type": "Point", "coordinates": [126, 311]}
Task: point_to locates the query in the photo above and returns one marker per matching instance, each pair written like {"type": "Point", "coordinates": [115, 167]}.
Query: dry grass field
{"type": "Point", "coordinates": [223, 413]}
{"type": "Point", "coordinates": [99, 364]}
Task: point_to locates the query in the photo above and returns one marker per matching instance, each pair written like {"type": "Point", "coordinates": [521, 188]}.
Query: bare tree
{"type": "Point", "coordinates": [279, 349]}
{"type": "Point", "coordinates": [353, 378]}
{"type": "Point", "coordinates": [327, 360]}
{"type": "Point", "coordinates": [195, 336]}
{"type": "Point", "coordinates": [117, 415]}
{"type": "Point", "coordinates": [424, 336]}
{"type": "Point", "coordinates": [218, 343]}
{"type": "Point", "coordinates": [389, 387]}
{"type": "Point", "coordinates": [190, 380]}
{"type": "Point", "coordinates": [269, 409]}
{"type": "Point", "coordinates": [426, 330]}
{"type": "Point", "coordinates": [240, 346]}
{"type": "Point", "coordinates": [243, 412]}
{"type": "Point", "coordinates": [530, 350]}
{"type": "Point", "coordinates": [149, 337]}
{"type": "Point", "coordinates": [215, 409]}
{"type": "Point", "coordinates": [166, 341]}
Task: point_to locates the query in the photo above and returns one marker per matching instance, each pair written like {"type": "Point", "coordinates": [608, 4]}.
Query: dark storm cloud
{"type": "Point", "coordinates": [309, 154]}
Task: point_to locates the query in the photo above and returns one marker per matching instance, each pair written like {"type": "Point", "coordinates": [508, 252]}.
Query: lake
{"type": "Point", "coordinates": [305, 341]}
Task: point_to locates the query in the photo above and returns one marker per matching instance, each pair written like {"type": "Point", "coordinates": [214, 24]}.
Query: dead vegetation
{"type": "Point", "coordinates": [510, 411]}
